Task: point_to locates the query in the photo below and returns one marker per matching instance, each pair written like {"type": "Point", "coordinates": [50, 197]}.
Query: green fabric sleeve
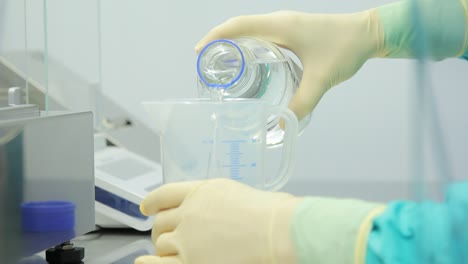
{"type": "Point", "coordinates": [325, 230]}
{"type": "Point", "coordinates": [443, 27]}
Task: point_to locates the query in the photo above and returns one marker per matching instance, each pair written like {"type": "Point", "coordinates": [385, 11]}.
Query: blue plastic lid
{"type": "Point", "coordinates": [43, 216]}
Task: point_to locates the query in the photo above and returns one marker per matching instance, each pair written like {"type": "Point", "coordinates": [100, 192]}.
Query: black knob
{"type": "Point", "coordinates": [65, 253]}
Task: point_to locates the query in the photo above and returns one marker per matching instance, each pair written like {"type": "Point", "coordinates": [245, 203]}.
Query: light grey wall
{"type": "Point", "coordinates": [360, 130]}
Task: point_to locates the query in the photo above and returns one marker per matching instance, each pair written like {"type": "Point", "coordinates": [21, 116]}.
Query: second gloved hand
{"type": "Point", "coordinates": [219, 221]}
{"type": "Point", "coordinates": [332, 48]}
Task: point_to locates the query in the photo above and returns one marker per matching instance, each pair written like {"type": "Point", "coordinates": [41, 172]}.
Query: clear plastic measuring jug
{"type": "Point", "coordinates": [201, 139]}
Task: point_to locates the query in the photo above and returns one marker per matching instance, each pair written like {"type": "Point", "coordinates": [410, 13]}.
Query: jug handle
{"type": "Point", "coordinates": [291, 131]}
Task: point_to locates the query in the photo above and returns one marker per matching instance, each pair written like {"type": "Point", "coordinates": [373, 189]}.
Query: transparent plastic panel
{"type": "Point", "coordinates": [134, 63]}
{"type": "Point", "coordinates": [14, 44]}
{"type": "Point", "coordinates": [72, 55]}
{"type": "Point", "coordinates": [438, 136]}
{"type": "Point", "coordinates": [51, 52]}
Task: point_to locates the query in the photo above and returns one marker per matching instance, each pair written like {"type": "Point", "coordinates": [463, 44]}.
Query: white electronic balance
{"type": "Point", "coordinates": [122, 180]}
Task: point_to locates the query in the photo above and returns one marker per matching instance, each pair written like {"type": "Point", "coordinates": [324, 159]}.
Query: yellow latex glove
{"type": "Point", "coordinates": [219, 221]}
{"type": "Point", "coordinates": [332, 48]}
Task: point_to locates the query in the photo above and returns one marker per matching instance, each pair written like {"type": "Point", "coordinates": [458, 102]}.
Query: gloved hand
{"type": "Point", "coordinates": [219, 221]}
{"type": "Point", "coordinates": [332, 48]}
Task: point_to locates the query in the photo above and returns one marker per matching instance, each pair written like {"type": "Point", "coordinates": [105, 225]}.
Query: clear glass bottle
{"type": "Point", "coordinates": [250, 68]}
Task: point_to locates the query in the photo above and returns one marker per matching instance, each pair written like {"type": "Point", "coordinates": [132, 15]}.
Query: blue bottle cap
{"type": "Point", "coordinates": [222, 47]}
{"type": "Point", "coordinates": [48, 216]}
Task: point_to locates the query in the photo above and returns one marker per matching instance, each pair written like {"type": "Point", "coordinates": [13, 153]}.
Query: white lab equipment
{"type": "Point", "coordinates": [202, 138]}
{"type": "Point", "coordinates": [250, 68]}
{"type": "Point", "coordinates": [123, 179]}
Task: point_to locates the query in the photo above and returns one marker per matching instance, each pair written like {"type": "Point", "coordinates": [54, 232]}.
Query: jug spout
{"type": "Point", "coordinates": [159, 113]}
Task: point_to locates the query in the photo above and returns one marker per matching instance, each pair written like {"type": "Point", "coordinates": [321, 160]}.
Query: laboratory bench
{"type": "Point", "coordinates": [116, 246]}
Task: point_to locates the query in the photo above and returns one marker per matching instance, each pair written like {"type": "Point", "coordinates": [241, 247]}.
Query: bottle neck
{"type": "Point", "coordinates": [221, 64]}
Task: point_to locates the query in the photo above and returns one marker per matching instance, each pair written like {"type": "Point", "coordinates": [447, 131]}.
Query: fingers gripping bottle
{"type": "Point", "coordinates": [250, 68]}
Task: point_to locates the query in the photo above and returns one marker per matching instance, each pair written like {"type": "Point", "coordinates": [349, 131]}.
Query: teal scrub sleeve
{"type": "Point", "coordinates": [426, 232]}
{"type": "Point", "coordinates": [444, 23]}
